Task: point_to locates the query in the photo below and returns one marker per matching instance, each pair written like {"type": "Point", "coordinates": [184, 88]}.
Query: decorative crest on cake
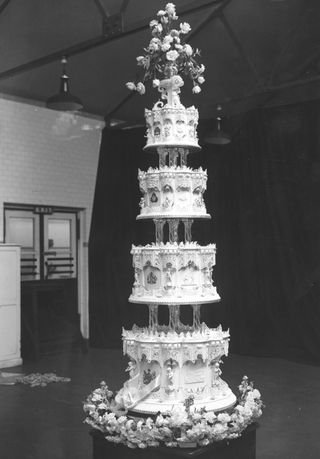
{"type": "Point", "coordinates": [168, 58]}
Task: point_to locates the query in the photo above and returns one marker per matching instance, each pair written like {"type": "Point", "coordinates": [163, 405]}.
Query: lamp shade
{"type": "Point", "coordinates": [218, 136]}
{"type": "Point", "coordinates": [64, 100]}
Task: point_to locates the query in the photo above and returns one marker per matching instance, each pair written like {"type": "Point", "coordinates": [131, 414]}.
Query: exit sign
{"type": "Point", "coordinates": [42, 210]}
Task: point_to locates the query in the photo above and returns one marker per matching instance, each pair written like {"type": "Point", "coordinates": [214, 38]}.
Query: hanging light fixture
{"type": "Point", "coordinates": [218, 136]}
{"type": "Point", "coordinates": [64, 100]}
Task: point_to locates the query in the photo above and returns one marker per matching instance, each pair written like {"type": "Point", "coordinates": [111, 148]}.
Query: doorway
{"type": "Point", "coordinates": [49, 282]}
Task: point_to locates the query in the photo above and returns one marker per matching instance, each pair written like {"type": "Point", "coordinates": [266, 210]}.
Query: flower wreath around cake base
{"type": "Point", "coordinates": [182, 428]}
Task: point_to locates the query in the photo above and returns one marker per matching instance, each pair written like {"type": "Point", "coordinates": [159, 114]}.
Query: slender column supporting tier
{"type": "Point", "coordinates": [168, 156]}
{"type": "Point", "coordinates": [187, 229]}
{"type": "Point", "coordinates": [174, 317]}
{"type": "Point", "coordinates": [173, 230]}
{"type": "Point", "coordinates": [196, 316]}
{"type": "Point", "coordinates": [159, 224]}
{"type": "Point", "coordinates": [153, 317]}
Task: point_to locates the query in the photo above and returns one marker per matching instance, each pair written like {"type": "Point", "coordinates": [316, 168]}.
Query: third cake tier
{"type": "Point", "coordinates": [173, 273]}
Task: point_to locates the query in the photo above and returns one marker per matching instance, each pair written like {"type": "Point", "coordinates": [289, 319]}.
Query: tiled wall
{"type": "Point", "coordinates": [49, 158]}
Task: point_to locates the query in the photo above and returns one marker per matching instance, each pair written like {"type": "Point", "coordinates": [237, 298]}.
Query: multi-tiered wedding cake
{"type": "Point", "coordinates": [174, 395]}
{"type": "Point", "coordinates": [169, 363]}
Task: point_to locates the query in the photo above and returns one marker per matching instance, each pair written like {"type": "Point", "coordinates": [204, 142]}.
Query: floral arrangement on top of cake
{"type": "Point", "coordinates": [167, 54]}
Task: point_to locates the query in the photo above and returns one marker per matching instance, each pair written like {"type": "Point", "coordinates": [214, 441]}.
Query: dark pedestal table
{"type": "Point", "coordinates": [243, 447]}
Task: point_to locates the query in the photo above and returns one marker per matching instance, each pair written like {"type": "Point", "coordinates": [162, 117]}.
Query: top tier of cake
{"type": "Point", "coordinates": [171, 124]}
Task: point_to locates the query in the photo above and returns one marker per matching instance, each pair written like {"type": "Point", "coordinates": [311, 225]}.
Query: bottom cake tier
{"type": "Point", "coordinates": [168, 369]}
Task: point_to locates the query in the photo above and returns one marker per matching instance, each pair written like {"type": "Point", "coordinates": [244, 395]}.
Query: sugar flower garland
{"type": "Point", "coordinates": [167, 54]}
{"type": "Point", "coordinates": [172, 429]}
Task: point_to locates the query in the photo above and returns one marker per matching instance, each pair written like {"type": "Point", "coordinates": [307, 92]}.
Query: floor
{"type": "Point", "coordinates": [46, 422]}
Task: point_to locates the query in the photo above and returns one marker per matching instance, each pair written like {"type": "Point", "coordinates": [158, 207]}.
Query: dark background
{"type": "Point", "coordinates": [263, 195]}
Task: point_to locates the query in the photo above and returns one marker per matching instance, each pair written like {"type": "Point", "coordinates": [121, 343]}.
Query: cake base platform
{"type": "Point", "coordinates": [243, 447]}
{"type": "Point", "coordinates": [151, 407]}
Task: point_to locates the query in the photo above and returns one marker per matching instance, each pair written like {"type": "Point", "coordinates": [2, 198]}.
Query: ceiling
{"type": "Point", "coordinates": [256, 52]}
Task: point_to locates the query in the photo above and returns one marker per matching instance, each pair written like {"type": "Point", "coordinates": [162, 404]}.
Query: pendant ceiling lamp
{"type": "Point", "coordinates": [64, 100]}
{"type": "Point", "coordinates": [218, 136]}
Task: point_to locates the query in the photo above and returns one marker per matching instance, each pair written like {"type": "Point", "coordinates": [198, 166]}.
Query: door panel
{"type": "Point", "coordinates": [59, 242]}
{"type": "Point", "coordinates": [22, 228]}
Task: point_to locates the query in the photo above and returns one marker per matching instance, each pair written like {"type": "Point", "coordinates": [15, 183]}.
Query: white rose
{"type": "Point", "coordinates": [239, 408]}
{"type": "Point", "coordinates": [153, 46]}
{"type": "Point", "coordinates": [224, 418]}
{"type": "Point", "coordinates": [153, 23]}
{"type": "Point", "coordinates": [172, 55]}
{"type": "Point", "coordinates": [159, 420]}
{"type": "Point", "coordinates": [122, 419]}
{"type": "Point", "coordinates": [196, 416]}
{"type": "Point", "coordinates": [129, 424]}
{"type": "Point", "coordinates": [139, 425]}
{"type": "Point", "coordinates": [188, 50]}
{"type": "Point", "coordinates": [185, 27]}
{"type": "Point", "coordinates": [256, 393]}
{"type": "Point", "coordinates": [201, 79]}
{"type": "Point", "coordinates": [210, 417]}
{"type": "Point", "coordinates": [155, 83]}
{"type": "Point", "coordinates": [89, 407]}
{"type": "Point", "coordinates": [247, 412]}
{"type": "Point", "coordinates": [171, 10]}
{"type": "Point", "coordinates": [175, 33]}
{"type": "Point", "coordinates": [168, 39]}
{"type": "Point", "coordinates": [196, 89]}
{"type": "Point", "coordinates": [130, 85]}
{"type": "Point", "coordinates": [141, 88]}
{"type": "Point", "coordinates": [140, 59]}
{"type": "Point", "coordinates": [102, 406]}
{"type": "Point", "coordinates": [149, 423]}
{"type": "Point", "coordinates": [161, 13]}
{"type": "Point", "coordinates": [178, 47]}
{"type": "Point", "coordinates": [165, 47]}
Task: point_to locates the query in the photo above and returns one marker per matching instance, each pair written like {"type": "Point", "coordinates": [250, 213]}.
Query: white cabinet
{"type": "Point", "coordinates": [10, 306]}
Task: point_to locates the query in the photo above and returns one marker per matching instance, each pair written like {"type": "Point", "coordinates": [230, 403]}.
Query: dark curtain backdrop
{"type": "Point", "coordinates": [263, 195]}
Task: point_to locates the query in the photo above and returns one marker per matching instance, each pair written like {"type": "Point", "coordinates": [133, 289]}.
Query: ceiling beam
{"type": "Point", "coordinates": [292, 35]}
{"type": "Point", "coordinates": [267, 89]}
{"type": "Point", "coordinates": [240, 48]}
{"type": "Point", "coordinates": [124, 5]}
{"type": "Point", "coordinates": [269, 92]}
{"type": "Point", "coordinates": [307, 64]}
{"type": "Point", "coordinates": [216, 11]}
{"type": "Point", "coordinates": [102, 9]}
{"type": "Point", "coordinates": [98, 41]}
{"type": "Point", "coordinates": [3, 5]}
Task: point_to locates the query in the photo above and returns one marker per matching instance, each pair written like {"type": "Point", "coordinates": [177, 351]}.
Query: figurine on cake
{"type": "Point", "coordinates": [173, 366]}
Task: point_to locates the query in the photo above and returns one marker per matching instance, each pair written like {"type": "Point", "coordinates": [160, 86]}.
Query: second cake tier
{"type": "Point", "coordinates": [173, 191]}
{"type": "Point", "coordinates": [173, 274]}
